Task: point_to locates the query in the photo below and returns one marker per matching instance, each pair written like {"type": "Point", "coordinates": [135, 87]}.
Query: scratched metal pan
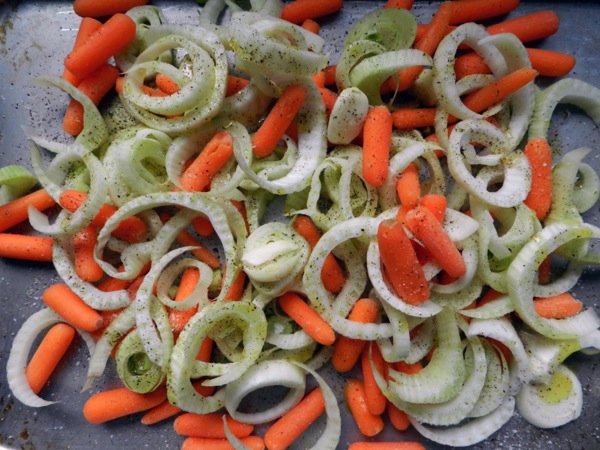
{"type": "Point", "coordinates": [34, 38]}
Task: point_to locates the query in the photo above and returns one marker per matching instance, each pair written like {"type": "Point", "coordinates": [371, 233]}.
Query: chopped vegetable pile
{"type": "Point", "coordinates": [237, 212]}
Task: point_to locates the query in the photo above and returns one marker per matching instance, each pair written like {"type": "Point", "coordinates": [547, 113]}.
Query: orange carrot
{"type": "Point", "coordinates": [436, 203]}
{"type": "Point", "coordinates": [210, 426]}
{"type": "Point", "coordinates": [102, 8]}
{"type": "Point", "coordinates": [111, 37]}
{"type": "Point", "coordinates": [428, 43]}
{"type": "Point", "coordinates": [299, 311]}
{"type": "Point", "coordinates": [29, 248]}
{"type": "Point", "coordinates": [408, 368]}
{"type": "Point", "coordinates": [539, 155]}
{"type": "Point", "coordinates": [377, 133]}
{"type": "Point", "coordinates": [207, 164]}
{"type": "Point", "coordinates": [559, 306]}
{"type": "Point", "coordinates": [376, 400]}
{"type": "Point", "coordinates": [401, 263]}
{"type": "Point", "coordinates": [329, 98]}
{"type": "Point", "coordinates": [474, 10]}
{"type": "Point", "coordinates": [132, 229]}
{"type": "Point", "coordinates": [550, 63]}
{"type": "Point", "coordinates": [15, 211]}
{"type": "Point", "coordinates": [202, 225]}
{"type": "Point", "coordinates": [489, 296]}
{"type": "Point", "coordinates": [278, 120]}
{"type": "Point", "coordinates": [311, 26]}
{"type": "Point", "coordinates": [398, 418]}
{"type": "Point", "coordinates": [347, 350]}
{"type": "Point", "coordinates": [427, 229]}
{"type": "Point", "coordinates": [70, 307]}
{"type": "Point", "coordinates": [120, 402]}
{"type": "Point", "coordinates": [411, 118]}
{"type": "Point", "coordinates": [166, 84]}
{"type": "Point", "coordinates": [403, 4]}
{"type": "Point", "coordinates": [95, 86]}
{"type": "Point", "coordinates": [319, 78]}
{"type": "Point", "coordinates": [236, 290]}
{"type": "Point", "coordinates": [196, 443]}
{"type": "Point", "coordinates": [48, 354]}
{"type": "Point", "coordinates": [329, 72]}
{"type": "Point", "coordinates": [177, 317]}
{"type": "Point", "coordinates": [166, 409]}
{"type": "Point", "coordinates": [205, 351]}
{"type": "Point", "coordinates": [300, 10]}
{"type": "Point", "coordinates": [107, 318]}
{"type": "Point", "coordinates": [408, 187]}
{"type": "Point", "coordinates": [83, 253]}
{"type": "Point", "coordinates": [369, 424]}
{"type": "Point", "coordinates": [186, 239]}
{"type": "Point", "coordinates": [332, 274]}
{"type": "Point", "coordinates": [530, 27]}
{"type": "Point", "coordinates": [292, 424]}
{"type": "Point", "coordinates": [470, 64]}
{"type": "Point", "coordinates": [499, 89]}
{"type": "Point", "coordinates": [87, 26]}
{"type": "Point", "coordinates": [235, 84]}
{"type": "Point", "coordinates": [386, 446]}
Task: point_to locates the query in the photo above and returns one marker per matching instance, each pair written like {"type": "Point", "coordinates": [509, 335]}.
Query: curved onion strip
{"type": "Point", "coordinates": [351, 56]}
{"type": "Point", "coordinates": [199, 296]}
{"type": "Point", "coordinates": [523, 270]}
{"type": "Point", "coordinates": [535, 406]}
{"type": "Point", "coordinates": [347, 116]}
{"type": "Point", "coordinates": [265, 374]}
{"type": "Point", "coordinates": [472, 432]}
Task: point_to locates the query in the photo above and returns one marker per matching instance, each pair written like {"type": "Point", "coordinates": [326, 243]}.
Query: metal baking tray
{"type": "Point", "coordinates": [34, 38]}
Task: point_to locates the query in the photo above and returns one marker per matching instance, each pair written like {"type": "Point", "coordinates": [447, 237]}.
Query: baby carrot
{"type": "Point", "coordinates": [329, 72]}
{"type": "Point", "coordinates": [436, 203]}
{"type": "Point", "coordinates": [83, 253]}
{"type": "Point", "coordinates": [207, 164]}
{"type": "Point", "coordinates": [278, 120]}
{"type": "Point", "coordinates": [87, 26]}
{"type": "Point", "coordinates": [178, 317]}
{"type": "Point", "coordinates": [300, 10]}
{"type": "Point", "coordinates": [427, 229]}
{"type": "Point", "coordinates": [539, 155]}
{"type": "Point", "coordinates": [210, 426]}
{"type": "Point", "coordinates": [292, 424]}
{"type": "Point", "coordinates": [550, 63]}
{"type": "Point", "coordinates": [346, 351]}
{"type": "Point", "coordinates": [95, 86]}
{"type": "Point", "coordinates": [369, 424]}
{"type": "Point", "coordinates": [235, 84]}
{"type": "Point", "coordinates": [530, 27]}
{"type": "Point", "coordinates": [332, 274]}
{"type": "Point", "coordinates": [398, 418]}
{"type": "Point", "coordinates": [409, 368]}
{"type": "Point", "coordinates": [376, 400]}
{"type": "Point", "coordinates": [403, 4]}
{"type": "Point", "coordinates": [474, 10]}
{"type": "Point", "coordinates": [408, 187]}
{"type": "Point", "coordinates": [470, 64]}
{"type": "Point", "coordinates": [377, 133]}
{"type": "Point", "coordinates": [411, 118]}
{"type": "Point", "coordinates": [15, 212]}
{"type": "Point", "coordinates": [295, 307]}
{"type": "Point", "coordinates": [111, 37]}
{"type": "Point", "coordinates": [48, 354]}
{"type": "Point", "coordinates": [198, 443]}
{"type": "Point", "coordinates": [102, 8]}
{"type": "Point", "coordinates": [71, 308]}
{"type": "Point", "coordinates": [203, 226]}
{"type": "Point", "coordinates": [559, 306]}
{"type": "Point", "coordinates": [499, 89]}
{"type": "Point", "coordinates": [166, 409]}
{"type": "Point", "coordinates": [329, 98]}
{"type": "Point", "coordinates": [29, 248]}
{"type": "Point", "coordinates": [166, 84]}
{"type": "Point", "coordinates": [401, 263]}
{"type": "Point", "coordinates": [120, 402]}
{"type": "Point", "coordinates": [311, 26]}
{"type": "Point", "coordinates": [236, 290]}
{"type": "Point", "coordinates": [319, 78]}
{"type": "Point", "coordinates": [428, 43]}
{"type": "Point", "coordinates": [131, 229]}
{"type": "Point", "coordinates": [386, 446]}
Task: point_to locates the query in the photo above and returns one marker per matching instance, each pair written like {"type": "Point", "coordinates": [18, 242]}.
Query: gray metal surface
{"type": "Point", "coordinates": [34, 38]}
